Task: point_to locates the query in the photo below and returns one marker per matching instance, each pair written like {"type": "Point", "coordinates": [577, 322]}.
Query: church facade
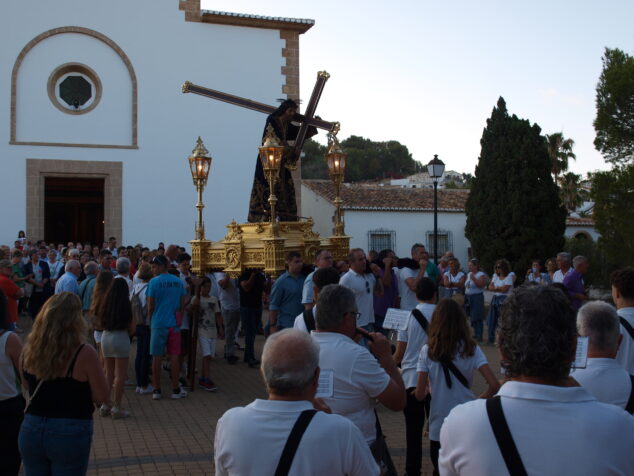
{"type": "Point", "coordinates": [96, 131]}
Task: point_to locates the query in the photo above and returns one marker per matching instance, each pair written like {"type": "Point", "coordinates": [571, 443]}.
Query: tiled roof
{"type": "Point", "coordinates": [579, 221]}
{"type": "Point", "coordinates": [259, 21]}
{"type": "Point", "coordinates": [386, 198]}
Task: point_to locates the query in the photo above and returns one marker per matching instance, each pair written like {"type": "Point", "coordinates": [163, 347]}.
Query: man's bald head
{"type": "Point", "coordinates": [289, 361]}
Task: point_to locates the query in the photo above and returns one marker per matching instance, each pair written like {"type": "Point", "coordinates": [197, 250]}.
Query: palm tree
{"type": "Point", "coordinates": [570, 191]}
{"type": "Point", "coordinates": [560, 151]}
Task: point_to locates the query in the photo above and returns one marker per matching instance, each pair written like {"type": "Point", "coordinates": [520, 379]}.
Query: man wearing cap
{"type": "Point", "coordinates": [165, 296]}
{"type": "Point", "coordinates": [11, 291]}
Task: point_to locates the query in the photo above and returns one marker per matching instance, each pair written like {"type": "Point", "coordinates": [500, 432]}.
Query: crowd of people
{"type": "Point", "coordinates": [326, 362]}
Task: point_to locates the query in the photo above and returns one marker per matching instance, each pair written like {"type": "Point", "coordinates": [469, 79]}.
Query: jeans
{"type": "Point", "coordinates": [415, 413]}
{"type": "Point", "coordinates": [143, 360]}
{"type": "Point", "coordinates": [474, 306]}
{"type": "Point", "coordinates": [494, 314]}
{"type": "Point", "coordinates": [57, 446]}
{"type": "Point", "coordinates": [232, 319]}
{"type": "Point", "coordinates": [250, 317]}
{"type": "Point", "coordinates": [11, 415]}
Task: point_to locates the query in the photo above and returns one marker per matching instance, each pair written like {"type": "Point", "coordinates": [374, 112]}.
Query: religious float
{"type": "Point", "coordinates": [265, 244]}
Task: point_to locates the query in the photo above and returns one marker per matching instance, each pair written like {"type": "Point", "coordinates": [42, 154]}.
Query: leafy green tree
{"type": "Point", "coordinates": [513, 210]}
{"type": "Point", "coordinates": [367, 160]}
{"type": "Point", "coordinates": [560, 152]}
{"type": "Point", "coordinates": [570, 191]}
{"type": "Point", "coordinates": [613, 195]}
{"type": "Point", "coordinates": [614, 123]}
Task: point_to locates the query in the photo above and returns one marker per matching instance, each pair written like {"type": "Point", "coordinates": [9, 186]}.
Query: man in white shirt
{"type": "Point", "coordinates": [407, 278]}
{"type": "Point", "coordinates": [364, 284]}
{"type": "Point", "coordinates": [564, 262]}
{"type": "Point", "coordinates": [356, 378]}
{"type": "Point", "coordinates": [250, 440]}
{"type": "Point", "coordinates": [555, 426]}
{"type": "Point", "coordinates": [123, 272]}
{"type": "Point", "coordinates": [623, 294]}
{"type": "Point", "coordinates": [602, 376]}
{"type": "Point", "coordinates": [321, 277]}
{"type": "Point", "coordinates": [409, 343]}
{"type": "Point", "coordinates": [323, 259]}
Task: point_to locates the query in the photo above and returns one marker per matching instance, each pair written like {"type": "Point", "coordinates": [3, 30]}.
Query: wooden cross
{"type": "Point", "coordinates": [305, 120]}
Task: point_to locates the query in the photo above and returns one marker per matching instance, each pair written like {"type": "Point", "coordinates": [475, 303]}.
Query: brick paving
{"type": "Point", "coordinates": [175, 437]}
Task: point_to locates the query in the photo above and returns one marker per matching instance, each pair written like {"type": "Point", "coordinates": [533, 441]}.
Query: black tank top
{"type": "Point", "coordinates": [62, 397]}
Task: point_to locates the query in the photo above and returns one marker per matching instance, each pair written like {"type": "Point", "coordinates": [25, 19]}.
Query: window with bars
{"type": "Point", "coordinates": [445, 242]}
{"type": "Point", "coordinates": [381, 240]}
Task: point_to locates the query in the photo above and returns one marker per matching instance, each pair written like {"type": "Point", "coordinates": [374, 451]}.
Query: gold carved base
{"type": "Point", "coordinates": [257, 246]}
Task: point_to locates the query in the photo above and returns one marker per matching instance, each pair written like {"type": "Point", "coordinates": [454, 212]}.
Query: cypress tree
{"type": "Point", "coordinates": [513, 210]}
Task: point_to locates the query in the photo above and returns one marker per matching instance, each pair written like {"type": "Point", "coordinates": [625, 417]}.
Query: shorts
{"type": "Point", "coordinates": [115, 344]}
{"type": "Point", "coordinates": [207, 346]}
{"type": "Point", "coordinates": [97, 335]}
{"type": "Point", "coordinates": [185, 341]}
{"type": "Point", "coordinates": [165, 337]}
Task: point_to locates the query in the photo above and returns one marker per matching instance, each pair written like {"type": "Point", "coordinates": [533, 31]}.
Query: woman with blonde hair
{"type": "Point", "coordinates": [118, 325]}
{"type": "Point", "coordinates": [63, 377]}
{"type": "Point", "coordinates": [102, 282]}
{"type": "Point", "coordinates": [448, 362]}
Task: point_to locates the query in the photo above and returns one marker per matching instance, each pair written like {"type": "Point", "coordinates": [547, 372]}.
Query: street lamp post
{"type": "Point", "coordinates": [435, 169]}
{"type": "Point", "coordinates": [200, 165]}
{"type": "Point", "coordinates": [336, 162]}
{"type": "Point", "coordinates": [271, 154]}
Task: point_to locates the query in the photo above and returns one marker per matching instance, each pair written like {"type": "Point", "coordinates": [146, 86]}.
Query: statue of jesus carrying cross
{"type": "Point", "coordinates": [289, 134]}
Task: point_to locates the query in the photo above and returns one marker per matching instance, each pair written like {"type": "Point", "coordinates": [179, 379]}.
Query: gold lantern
{"type": "Point", "coordinates": [200, 166]}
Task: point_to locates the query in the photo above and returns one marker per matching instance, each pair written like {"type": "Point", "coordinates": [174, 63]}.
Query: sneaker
{"type": "Point", "coordinates": [253, 363]}
{"type": "Point", "coordinates": [178, 393]}
{"type": "Point", "coordinates": [156, 394]}
{"type": "Point", "coordinates": [208, 385]}
{"type": "Point", "coordinates": [147, 390]}
{"type": "Point", "coordinates": [118, 413]}
{"type": "Point", "coordinates": [104, 410]}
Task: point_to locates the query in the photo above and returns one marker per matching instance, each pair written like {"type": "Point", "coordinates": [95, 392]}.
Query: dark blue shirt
{"type": "Point", "coordinates": [286, 298]}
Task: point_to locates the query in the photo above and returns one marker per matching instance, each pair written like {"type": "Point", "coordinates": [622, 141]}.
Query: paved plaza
{"type": "Point", "coordinates": [175, 437]}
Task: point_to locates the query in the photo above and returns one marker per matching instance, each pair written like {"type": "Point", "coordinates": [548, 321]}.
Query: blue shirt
{"type": "Point", "coordinates": [167, 291]}
{"type": "Point", "coordinates": [286, 298]}
{"type": "Point", "coordinates": [85, 291]}
{"type": "Point", "coordinates": [68, 282]}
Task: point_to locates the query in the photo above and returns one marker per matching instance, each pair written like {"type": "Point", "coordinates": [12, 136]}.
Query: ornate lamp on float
{"type": "Point", "coordinates": [336, 162]}
{"type": "Point", "coordinates": [271, 154]}
{"type": "Point", "coordinates": [435, 169]}
{"type": "Point", "coordinates": [199, 166]}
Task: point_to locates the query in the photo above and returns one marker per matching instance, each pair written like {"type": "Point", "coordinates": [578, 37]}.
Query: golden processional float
{"type": "Point", "coordinates": [265, 245]}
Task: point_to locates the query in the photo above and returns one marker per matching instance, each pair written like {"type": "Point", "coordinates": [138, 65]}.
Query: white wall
{"type": "Point", "coordinates": [571, 231]}
{"type": "Point", "coordinates": [320, 209]}
{"type": "Point", "coordinates": [158, 195]}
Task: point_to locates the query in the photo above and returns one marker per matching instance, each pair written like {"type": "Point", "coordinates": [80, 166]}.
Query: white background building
{"type": "Point", "coordinates": [121, 157]}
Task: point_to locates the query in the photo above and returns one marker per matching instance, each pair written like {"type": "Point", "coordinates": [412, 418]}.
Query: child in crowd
{"type": "Point", "coordinates": [448, 362]}
{"type": "Point", "coordinates": [210, 327]}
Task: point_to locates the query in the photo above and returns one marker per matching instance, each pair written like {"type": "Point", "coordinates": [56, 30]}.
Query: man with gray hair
{"type": "Point", "coordinates": [123, 272]}
{"type": "Point", "coordinates": [356, 378]}
{"type": "Point", "coordinates": [563, 260]}
{"type": "Point", "coordinates": [603, 377]}
{"type": "Point", "coordinates": [573, 281]}
{"type": "Point", "coordinates": [264, 437]}
{"type": "Point", "coordinates": [68, 281]}
{"type": "Point", "coordinates": [88, 285]}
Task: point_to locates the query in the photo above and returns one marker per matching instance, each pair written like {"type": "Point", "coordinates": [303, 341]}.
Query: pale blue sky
{"type": "Point", "coordinates": [428, 73]}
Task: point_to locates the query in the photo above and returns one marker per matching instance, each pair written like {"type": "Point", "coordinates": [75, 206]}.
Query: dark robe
{"type": "Point", "coordinates": [286, 207]}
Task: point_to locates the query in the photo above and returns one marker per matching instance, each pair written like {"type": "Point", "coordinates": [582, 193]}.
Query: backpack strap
{"type": "Point", "coordinates": [504, 437]}
{"type": "Point", "coordinates": [309, 319]}
{"type": "Point", "coordinates": [628, 326]}
{"type": "Point", "coordinates": [420, 319]}
{"type": "Point", "coordinates": [451, 367]}
{"type": "Point", "coordinates": [290, 448]}
{"type": "Point", "coordinates": [630, 403]}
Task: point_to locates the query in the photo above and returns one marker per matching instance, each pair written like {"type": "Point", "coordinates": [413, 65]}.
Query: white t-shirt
{"type": "Point", "coordinates": [250, 440]}
{"type": "Point", "coordinates": [416, 338]}
{"type": "Point", "coordinates": [499, 282]}
{"type": "Point", "coordinates": [625, 356]}
{"type": "Point", "coordinates": [229, 297]}
{"type": "Point", "coordinates": [357, 379]}
{"type": "Point", "coordinates": [470, 287]}
{"type": "Point", "coordinates": [408, 297]}
{"type": "Point", "coordinates": [207, 326]}
{"type": "Point", "coordinates": [557, 431]}
{"type": "Point", "coordinates": [299, 320]}
{"type": "Point", "coordinates": [362, 285]}
{"type": "Point", "coordinates": [454, 279]}
{"type": "Point", "coordinates": [558, 276]}
{"type": "Point", "coordinates": [443, 398]}
{"type": "Point", "coordinates": [606, 380]}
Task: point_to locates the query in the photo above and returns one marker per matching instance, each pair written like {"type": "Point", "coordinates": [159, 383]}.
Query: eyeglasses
{"type": "Point", "coordinates": [357, 315]}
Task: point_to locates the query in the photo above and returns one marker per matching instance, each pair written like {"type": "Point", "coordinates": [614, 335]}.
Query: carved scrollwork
{"type": "Point", "coordinates": [234, 233]}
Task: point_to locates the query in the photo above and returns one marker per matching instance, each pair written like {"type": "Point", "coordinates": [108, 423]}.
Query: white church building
{"type": "Point", "coordinates": [96, 131]}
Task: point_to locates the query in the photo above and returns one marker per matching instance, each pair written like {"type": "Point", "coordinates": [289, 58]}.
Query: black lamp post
{"type": "Point", "coordinates": [435, 169]}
